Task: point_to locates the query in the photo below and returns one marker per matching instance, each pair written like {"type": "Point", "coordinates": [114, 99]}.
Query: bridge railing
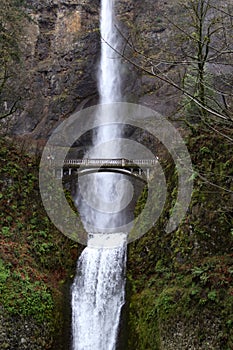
{"type": "Point", "coordinates": [122, 162]}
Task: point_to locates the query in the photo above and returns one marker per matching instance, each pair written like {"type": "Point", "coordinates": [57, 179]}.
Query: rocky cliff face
{"type": "Point", "coordinates": [60, 51]}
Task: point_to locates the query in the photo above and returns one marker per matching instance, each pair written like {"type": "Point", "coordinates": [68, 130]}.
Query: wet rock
{"type": "Point", "coordinates": [23, 334]}
{"type": "Point", "coordinates": [60, 51]}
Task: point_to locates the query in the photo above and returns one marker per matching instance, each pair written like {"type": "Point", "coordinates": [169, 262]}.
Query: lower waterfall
{"type": "Point", "coordinates": [98, 293]}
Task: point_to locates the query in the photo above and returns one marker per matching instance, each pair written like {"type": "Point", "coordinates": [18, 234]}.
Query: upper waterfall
{"type": "Point", "coordinates": [109, 79]}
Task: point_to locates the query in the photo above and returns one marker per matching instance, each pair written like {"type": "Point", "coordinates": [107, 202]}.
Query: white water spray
{"type": "Point", "coordinates": [98, 291]}
{"type": "Point", "coordinates": [98, 295]}
{"type": "Point", "coordinates": [109, 77]}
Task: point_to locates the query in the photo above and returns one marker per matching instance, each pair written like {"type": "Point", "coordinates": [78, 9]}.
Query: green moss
{"type": "Point", "coordinates": [182, 282]}
{"type": "Point", "coordinates": [182, 296]}
{"type": "Point", "coordinates": [21, 296]}
{"type": "Point", "coordinates": [36, 259]}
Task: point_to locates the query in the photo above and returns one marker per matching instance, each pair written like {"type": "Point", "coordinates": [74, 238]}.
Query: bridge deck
{"type": "Point", "coordinates": [110, 163]}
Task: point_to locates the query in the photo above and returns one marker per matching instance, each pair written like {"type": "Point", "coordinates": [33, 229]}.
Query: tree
{"type": "Point", "coordinates": [204, 36]}
{"type": "Point", "coordinates": [12, 15]}
{"type": "Point", "coordinates": [210, 44]}
{"type": "Point", "coordinates": [196, 60]}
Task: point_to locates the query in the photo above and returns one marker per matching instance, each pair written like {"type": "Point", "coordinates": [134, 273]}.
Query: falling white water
{"type": "Point", "coordinates": [98, 295]}
{"type": "Point", "coordinates": [109, 78]}
{"type": "Point", "coordinates": [98, 291]}
{"type": "Point", "coordinates": [102, 187]}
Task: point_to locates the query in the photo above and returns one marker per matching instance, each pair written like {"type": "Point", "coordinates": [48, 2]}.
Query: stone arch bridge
{"type": "Point", "coordinates": [139, 168]}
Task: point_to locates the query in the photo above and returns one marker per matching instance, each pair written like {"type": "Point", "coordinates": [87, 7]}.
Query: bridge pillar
{"type": "Point", "coordinates": [59, 173]}
{"type": "Point", "coordinates": [70, 171]}
{"type": "Point", "coordinates": [148, 173]}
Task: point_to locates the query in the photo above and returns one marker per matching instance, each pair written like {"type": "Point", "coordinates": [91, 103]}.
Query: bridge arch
{"type": "Point", "coordinates": [86, 171]}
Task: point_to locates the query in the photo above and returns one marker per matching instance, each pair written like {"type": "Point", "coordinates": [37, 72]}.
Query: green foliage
{"type": "Point", "coordinates": [205, 150]}
{"type": "Point", "coordinates": [12, 15]}
{"type": "Point", "coordinates": [212, 295]}
{"type": "Point", "coordinates": [142, 315]}
{"type": "Point", "coordinates": [165, 303]}
{"type": "Point", "coordinates": [183, 295]}
{"type": "Point", "coordinates": [36, 257]}
{"type": "Point", "coordinates": [21, 296]}
{"type": "Point", "coordinates": [6, 231]}
{"type": "Point", "coordinates": [4, 274]}
{"type": "Point", "coordinates": [186, 276]}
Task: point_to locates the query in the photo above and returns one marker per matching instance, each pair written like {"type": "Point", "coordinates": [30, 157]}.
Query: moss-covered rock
{"type": "Point", "coordinates": [36, 259]}
{"type": "Point", "coordinates": [181, 282]}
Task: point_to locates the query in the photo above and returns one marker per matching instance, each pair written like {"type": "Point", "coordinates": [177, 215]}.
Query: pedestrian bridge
{"type": "Point", "coordinates": [139, 168]}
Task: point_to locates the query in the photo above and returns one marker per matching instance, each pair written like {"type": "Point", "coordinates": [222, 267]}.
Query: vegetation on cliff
{"type": "Point", "coordinates": [181, 283]}
{"type": "Point", "coordinates": [12, 18]}
{"type": "Point", "coordinates": [36, 259]}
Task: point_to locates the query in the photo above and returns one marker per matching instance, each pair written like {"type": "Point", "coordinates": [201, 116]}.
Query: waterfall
{"type": "Point", "coordinates": [98, 291]}
{"type": "Point", "coordinates": [98, 295]}
{"type": "Point", "coordinates": [109, 80]}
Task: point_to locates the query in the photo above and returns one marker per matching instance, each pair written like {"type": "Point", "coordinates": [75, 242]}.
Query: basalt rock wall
{"type": "Point", "coordinates": [60, 50]}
